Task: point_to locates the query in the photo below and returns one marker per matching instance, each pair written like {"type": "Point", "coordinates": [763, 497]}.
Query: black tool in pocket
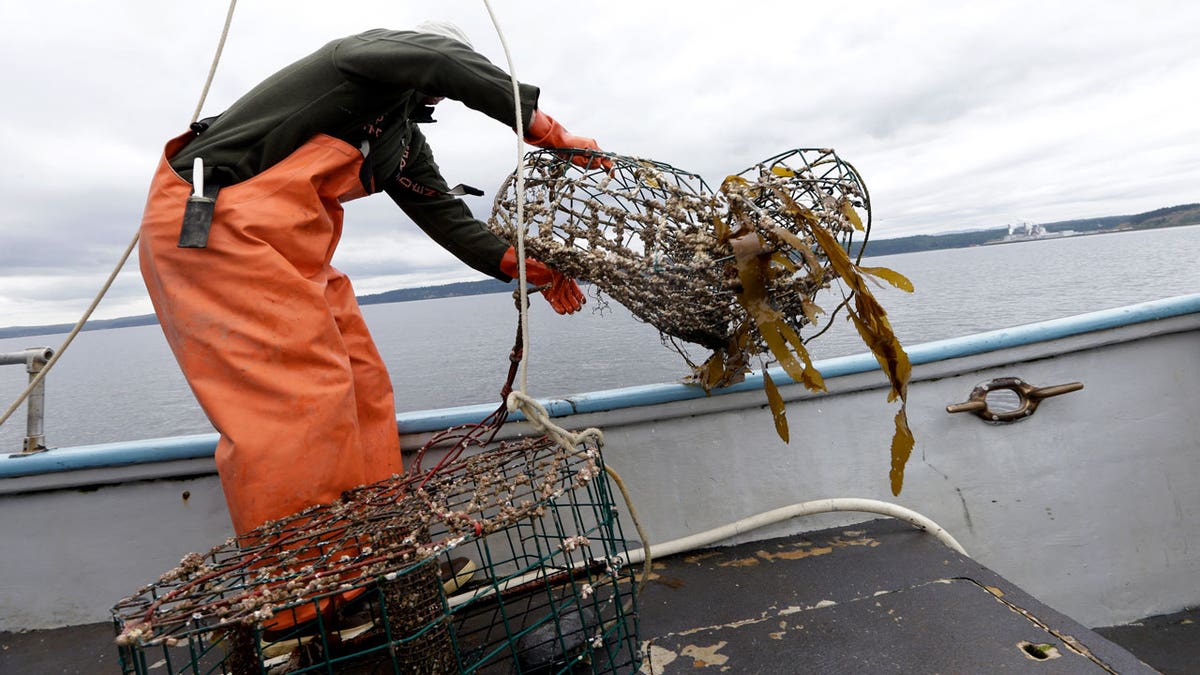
{"type": "Point", "coordinates": [198, 214]}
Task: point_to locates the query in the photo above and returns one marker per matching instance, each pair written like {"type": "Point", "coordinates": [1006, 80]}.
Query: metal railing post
{"type": "Point", "coordinates": [35, 359]}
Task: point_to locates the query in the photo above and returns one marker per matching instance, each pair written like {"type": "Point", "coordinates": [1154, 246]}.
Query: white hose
{"type": "Point", "coordinates": [715, 535]}
{"type": "Point", "coordinates": [852, 504]}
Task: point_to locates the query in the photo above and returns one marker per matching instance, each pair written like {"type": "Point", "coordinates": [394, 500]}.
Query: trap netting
{"type": "Point", "coordinates": [508, 561]}
{"type": "Point", "coordinates": [661, 242]}
{"type": "Point", "coordinates": [736, 270]}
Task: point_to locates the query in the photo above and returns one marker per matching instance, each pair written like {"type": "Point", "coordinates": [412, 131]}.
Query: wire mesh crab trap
{"type": "Point", "coordinates": [736, 270]}
{"type": "Point", "coordinates": [509, 561]}
{"type": "Point", "coordinates": [665, 245]}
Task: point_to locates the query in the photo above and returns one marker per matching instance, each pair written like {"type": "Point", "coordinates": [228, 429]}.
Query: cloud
{"type": "Point", "coordinates": [968, 115]}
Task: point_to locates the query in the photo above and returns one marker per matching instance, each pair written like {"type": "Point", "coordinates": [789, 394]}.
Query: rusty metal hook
{"type": "Point", "coordinates": [1028, 397]}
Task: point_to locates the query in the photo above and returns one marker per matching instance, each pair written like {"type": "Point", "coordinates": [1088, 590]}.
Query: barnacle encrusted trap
{"type": "Point", "coordinates": [736, 270]}
{"type": "Point", "coordinates": [382, 580]}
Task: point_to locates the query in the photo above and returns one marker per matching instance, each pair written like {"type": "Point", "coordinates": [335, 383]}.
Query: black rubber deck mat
{"type": "Point", "coordinates": [880, 597]}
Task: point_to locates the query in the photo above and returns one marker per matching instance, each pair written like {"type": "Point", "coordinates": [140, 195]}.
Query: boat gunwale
{"type": "Point", "coordinates": [202, 446]}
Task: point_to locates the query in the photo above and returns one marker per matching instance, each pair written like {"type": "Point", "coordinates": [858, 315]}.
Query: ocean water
{"type": "Point", "coordinates": [124, 384]}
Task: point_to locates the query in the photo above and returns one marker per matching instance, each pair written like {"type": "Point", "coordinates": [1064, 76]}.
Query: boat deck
{"type": "Point", "coordinates": [880, 597]}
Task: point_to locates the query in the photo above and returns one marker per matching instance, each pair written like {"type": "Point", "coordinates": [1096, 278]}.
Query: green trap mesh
{"type": "Point", "coordinates": [368, 584]}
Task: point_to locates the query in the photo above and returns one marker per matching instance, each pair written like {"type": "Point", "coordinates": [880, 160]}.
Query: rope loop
{"type": "Point", "coordinates": [539, 418]}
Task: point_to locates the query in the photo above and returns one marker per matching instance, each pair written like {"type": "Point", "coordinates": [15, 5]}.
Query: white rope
{"type": "Point", "coordinates": [535, 412]}
{"type": "Point", "coordinates": [520, 399]}
{"type": "Point", "coordinates": [539, 418]}
{"type": "Point", "coordinates": [212, 70]}
{"type": "Point", "coordinates": [87, 314]}
{"type": "Point", "coordinates": [520, 215]}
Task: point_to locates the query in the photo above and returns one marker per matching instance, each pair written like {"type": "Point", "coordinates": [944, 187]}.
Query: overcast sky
{"type": "Point", "coordinates": [958, 115]}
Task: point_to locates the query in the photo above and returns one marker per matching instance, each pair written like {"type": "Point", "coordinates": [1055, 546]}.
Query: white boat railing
{"type": "Point", "coordinates": [34, 359]}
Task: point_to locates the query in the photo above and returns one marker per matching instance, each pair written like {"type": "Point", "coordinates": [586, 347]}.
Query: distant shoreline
{"type": "Point", "coordinates": [1174, 216]}
{"type": "Point", "coordinates": [461, 288]}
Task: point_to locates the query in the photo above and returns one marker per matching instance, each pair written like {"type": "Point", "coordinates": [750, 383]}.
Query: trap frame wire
{"type": "Point", "coordinates": [736, 270]}
{"type": "Point", "coordinates": [644, 231]}
{"type": "Point", "coordinates": [551, 592]}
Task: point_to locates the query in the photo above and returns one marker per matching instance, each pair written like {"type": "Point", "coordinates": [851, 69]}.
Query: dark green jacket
{"type": "Point", "coordinates": [369, 87]}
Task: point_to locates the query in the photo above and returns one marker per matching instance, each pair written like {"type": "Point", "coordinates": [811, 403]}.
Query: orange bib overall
{"type": "Point", "coordinates": [269, 334]}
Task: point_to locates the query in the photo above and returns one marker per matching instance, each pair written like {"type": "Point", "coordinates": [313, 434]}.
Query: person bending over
{"type": "Point", "coordinates": [266, 330]}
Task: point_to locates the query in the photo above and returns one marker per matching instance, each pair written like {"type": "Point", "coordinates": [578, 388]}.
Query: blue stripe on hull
{"type": "Point", "coordinates": [201, 446]}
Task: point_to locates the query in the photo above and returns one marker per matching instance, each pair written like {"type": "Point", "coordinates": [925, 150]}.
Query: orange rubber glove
{"type": "Point", "coordinates": [560, 291]}
{"type": "Point", "coordinates": [546, 132]}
